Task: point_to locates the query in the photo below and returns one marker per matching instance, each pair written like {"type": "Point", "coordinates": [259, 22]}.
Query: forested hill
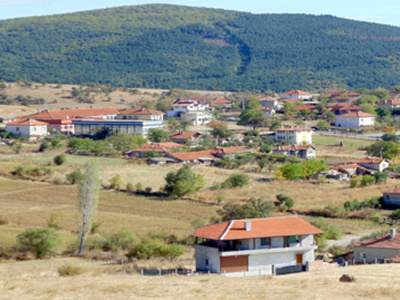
{"type": "Point", "coordinates": [165, 46]}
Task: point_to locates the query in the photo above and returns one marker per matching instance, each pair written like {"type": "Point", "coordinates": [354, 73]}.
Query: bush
{"type": "Point", "coordinates": [355, 182]}
{"type": "Point", "coordinates": [69, 270]}
{"type": "Point", "coordinates": [183, 182]}
{"type": "Point", "coordinates": [129, 187]}
{"type": "Point", "coordinates": [54, 221]}
{"type": "Point", "coordinates": [255, 208]}
{"type": "Point", "coordinates": [235, 180]}
{"type": "Point", "coordinates": [196, 223]}
{"type": "Point", "coordinates": [95, 227]}
{"type": "Point", "coordinates": [43, 146]}
{"type": "Point", "coordinates": [41, 242]}
{"type": "Point", "coordinates": [329, 229]}
{"type": "Point", "coordinates": [74, 177]}
{"type": "Point", "coordinates": [367, 180]}
{"type": "Point", "coordinates": [60, 159]}
{"type": "Point", "coordinates": [284, 202]}
{"type": "Point", "coordinates": [381, 177]}
{"type": "Point", "coordinates": [116, 183]}
{"type": "Point", "coordinates": [395, 215]}
{"type": "Point", "coordinates": [148, 248]}
{"type": "Point", "coordinates": [125, 239]}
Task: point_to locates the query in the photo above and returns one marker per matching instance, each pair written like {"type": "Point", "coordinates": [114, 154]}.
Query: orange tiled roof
{"type": "Point", "coordinates": [229, 150]}
{"type": "Point", "coordinates": [394, 191]}
{"type": "Point", "coordinates": [294, 128]}
{"type": "Point", "coordinates": [394, 101]}
{"type": "Point", "coordinates": [295, 92]}
{"type": "Point", "coordinates": [348, 166]}
{"type": "Point", "coordinates": [139, 111]}
{"type": "Point", "coordinates": [370, 160]}
{"type": "Point", "coordinates": [183, 134]}
{"type": "Point", "coordinates": [73, 113]}
{"type": "Point", "coordinates": [271, 227]}
{"type": "Point", "coordinates": [381, 242]}
{"type": "Point", "coordinates": [191, 156]}
{"type": "Point", "coordinates": [305, 107]}
{"type": "Point", "coordinates": [158, 147]}
{"type": "Point", "coordinates": [344, 93]}
{"type": "Point", "coordinates": [356, 114]}
{"type": "Point", "coordinates": [221, 101]}
{"type": "Point", "coordinates": [27, 122]}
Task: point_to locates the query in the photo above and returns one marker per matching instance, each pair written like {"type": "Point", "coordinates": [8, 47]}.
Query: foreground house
{"type": "Point", "coordinates": [374, 163]}
{"type": "Point", "coordinates": [255, 246]}
{"type": "Point", "coordinates": [27, 127]}
{"type": "Point", "coordinates": [354, 120]}
{"type": "Point", "coordinates": [379, 248]}
{"type": "Point", "coordinates": [301, 151]}
{"type": "Point", "coordinates": [294, 135]}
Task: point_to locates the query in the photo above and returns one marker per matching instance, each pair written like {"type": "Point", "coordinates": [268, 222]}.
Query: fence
{"type": "Point", "coordinates": [348, 135]}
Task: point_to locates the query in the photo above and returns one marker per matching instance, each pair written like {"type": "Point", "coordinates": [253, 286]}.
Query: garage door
{"type": "Point", "coordinates": [231, 264]}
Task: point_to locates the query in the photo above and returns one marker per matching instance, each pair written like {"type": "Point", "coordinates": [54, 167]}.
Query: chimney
{"type": "Point", "coordinates": [247, 225]}
{"type": "Point", "coordinates": [392, 233]}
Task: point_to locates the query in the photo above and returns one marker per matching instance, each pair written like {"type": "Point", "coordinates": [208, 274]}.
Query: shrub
{"type": "Point", "coordinates": [381, 177]}
{"type": "Point", "coordinates": [54, 221]}
{"type": "Point", "coordinates": [255, 208]}
{"type": "Point", "coordinates": [41, 241]}
{"type": "Point", "coordinates": [44, 146]}
{"type": "Point", "coordinates": [395, 215]}
{"type": "Point", "coordinates": [284, 202]}
{"type": "Point", "coordinates": [74, 177]}
{"type": "Point", "coordinates": [125, 239]}
{"type": "Point", "coordinates": [235, 180]}
{"type": "Point", "coordinates": [148, 248]}
{"type": "Point", "coordinates": [367, 180]}
{"type": "Point", "coordinates": [355, 182]}
{"type": "Point", "coordinates": [329, 229]}
{"type": "Point", "coordinates": [183, 182]}
{"type": "Point", "coordinates": [116, 183]}
{"type": "Point", "coordinates": [69, 270]}
{"type": "Point", "coordinates": [129, 187]}
{"type": "Point", "coordinates": [95, 227]}
{"type": "Point", "coordinates": [198, 222]}
{"type": "Point", "coordinates": [60, 159]}
{"type": "Point", "coordinates": [3, 220]}
{"type": "Point", "coordinates": [138, 187]}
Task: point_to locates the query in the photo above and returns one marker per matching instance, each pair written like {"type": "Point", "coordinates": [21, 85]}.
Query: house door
{"type": "Point", "coordinates": [299, 259]}
{"type": "Point", "coordinates": [231, 264]}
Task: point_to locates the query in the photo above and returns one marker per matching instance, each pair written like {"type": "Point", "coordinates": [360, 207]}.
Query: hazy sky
{"type": "Point", "coordinates": [383, 11]}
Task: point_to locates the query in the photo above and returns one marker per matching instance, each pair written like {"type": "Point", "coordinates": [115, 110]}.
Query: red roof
{"type": "Point", "coordinates": [191, 156]}
{"type": "Point", "coordinates": [221, 101]}
{"type": "Point", "coordinates": [394, 191]}
{"type": "Point", "coordinates": [271, 227]}
{"type": "Point", "coordinates": [230, 150]}
{"type": "Point", "coordinates": [355, 114]}
{"type": "Point", "coordinates": [394, 101]}
{"type": "Point", "coordinates": [344, 93]}
{"type": "Point", "coordinates": [371, 160]}
{"type": "Point", "coordinates": [27, 122]}
{"type": "Point", "coordinates": [139, 111]}
{"type": "Point", "coordinates": [184, 134]}
{"type": "Point", "coordinates": [296, 93]}
{"type": "Point", "coordinates": [305, 107]}
{"type": "Point", "coordinates": [381, 242]}
{"type": "Point", "coordinates": [158, 147]}
{"type": "Point", "coordinates": [350, 166]}
{"type": "Point", "coordinates": [73, 113]}
{"type": "Point", "coordinates": [294, 128]}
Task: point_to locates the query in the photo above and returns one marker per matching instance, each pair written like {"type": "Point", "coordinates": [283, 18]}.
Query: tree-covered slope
{"type": "Point", "coordinates": [165, 46]}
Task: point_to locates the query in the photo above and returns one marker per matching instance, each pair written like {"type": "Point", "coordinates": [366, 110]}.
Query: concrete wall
{"type": "Point", "coordinates": [372, 253]}
{"type": "Point", "coordinates": [204, 253]}
{"type": "Point", "coordinates": [17, 130]}
{"type": "Point", "coordinates": [351, 122]}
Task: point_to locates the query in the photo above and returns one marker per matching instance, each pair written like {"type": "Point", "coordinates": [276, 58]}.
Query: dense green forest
{"type": "Point", "coordinates": [166, 46]}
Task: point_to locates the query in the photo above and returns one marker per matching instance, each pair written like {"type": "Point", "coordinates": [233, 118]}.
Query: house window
{"type": "Point", "coordinates": [17, 128]}
{"type": "Point", "coordinates": [363, 255]}
{"type": "Point", "coordinates": [294, 239]}
{"type": "Point", "coordinates": [206, 262]}
{"type": "Point", "coordinates": [265, 242]}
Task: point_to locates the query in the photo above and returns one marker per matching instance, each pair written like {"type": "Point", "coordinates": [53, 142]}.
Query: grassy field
{"type": "Point", "coordinates": [39, 280]}
{"type": "Point", "coordinates": [335, 140]}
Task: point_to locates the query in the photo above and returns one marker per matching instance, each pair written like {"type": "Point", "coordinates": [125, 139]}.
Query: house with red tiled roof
{"type": "Point", "coordinates": [183, 137]}
{"type": "Point", "coordinates": [352, 169]}
{"type": "Point", "coordinates": [267, 111]}
{"type": "Point", "coordinates": [221, 104]}
{"type": "Point", "coordinates": [29, 127]}
{"type": "Point", "coordinates": [255, 246]}
{"type": "Point", "coordinates": [308, 107]}
{"type": "Point", "coordinates": [154, 149]}
{"type": "Point", "coordinates": [140, 114]}
{"type": "Point", "coordinates": [378, 249]}
{"type": "Point", "coordinates": [203, 157]}
{"type": "Point", "coordinates": [301, 151]}
{"type": "Point", "coordinates": [374, 163]}
{"type": "Point", "coordinates": [354, 120]}
{"type": "Point", "coordinates": [296, 94]}
{"type": "Point", "coordinates": [194, 110]}
{"type": "Point", "coordinates": [342, 108]}
{"type": "Point", "coordinates": [390, 104]}
{"type": "Point", "coordinates": [221, 152]}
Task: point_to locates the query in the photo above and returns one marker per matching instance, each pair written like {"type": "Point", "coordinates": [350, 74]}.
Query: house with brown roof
{"type": "Point", "coordinates": [27, 127]}
{"type": "Point", "coordinates": [374, 163]}
{"type": "Point", "coordinates": [342, 108]}
{"type": "Point", "coordinates": [355, 120]}
{"type": "Point", "coordinates": [267, 111]}
{"type": "Point", "coordinates": [379, 248]}
{"type": "Point", "coordinates": [106, 113]}
{"type": "Point", "coordinates": [301, 151]}
{"type": "Point", "coordinates": [296, 94]}
{"type": "Point", "coordinates": [202, 157]}
{"type": "Point", "coordinates": [183, 137]}
{"type": "Point", "coordinates": [255, 246]}
{"type": "Point", "coordinates": [140, 114]}
{"type": "Point", "coordinates": [352, 169]}
{"type": "Point", "coordinates": [222, 152]}
{"type": "Point", "coordinates": [390, 104]}
{"type": "Point", "coordinates": [154, 149]}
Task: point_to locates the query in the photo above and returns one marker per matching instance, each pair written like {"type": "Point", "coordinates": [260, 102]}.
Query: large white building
{"type": "Point", "coordinates": [255, 246]}
{"type": "Point", "coordinates": [27, 127]}
{"type": "Point", "coordinates": [296, 94]}
{"type": "Point", "coordinates": [192, 110]}
{"type": "Point", "coordinates": [294, 135]}
{"type": "Point", "coordinates": [354, 120]}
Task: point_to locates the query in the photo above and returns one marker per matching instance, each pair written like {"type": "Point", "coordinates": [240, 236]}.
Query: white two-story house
{"type": "Point", "coordinates": [294, 135]}
{"type": "Point", "coordinates": [255, 246]}
{"type": "Point", "coordinates": [140, 114]}
{"type": "Point", "coordinates": [354, 120]}
{"type": "Point", "coordinates": [192, 110]}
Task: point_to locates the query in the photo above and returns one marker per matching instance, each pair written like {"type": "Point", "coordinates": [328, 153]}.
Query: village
{"type": "Point", "coordinates": [268, 185]}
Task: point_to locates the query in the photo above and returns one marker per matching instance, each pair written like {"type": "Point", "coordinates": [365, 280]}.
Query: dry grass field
{"type": "Point", "coordinates": [60, 97]}
{"type": "Point", "coordinates": [39, 280]}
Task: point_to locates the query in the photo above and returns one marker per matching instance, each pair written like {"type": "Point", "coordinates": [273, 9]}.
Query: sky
{"type": "Point", "coordinates": [383, 11]}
